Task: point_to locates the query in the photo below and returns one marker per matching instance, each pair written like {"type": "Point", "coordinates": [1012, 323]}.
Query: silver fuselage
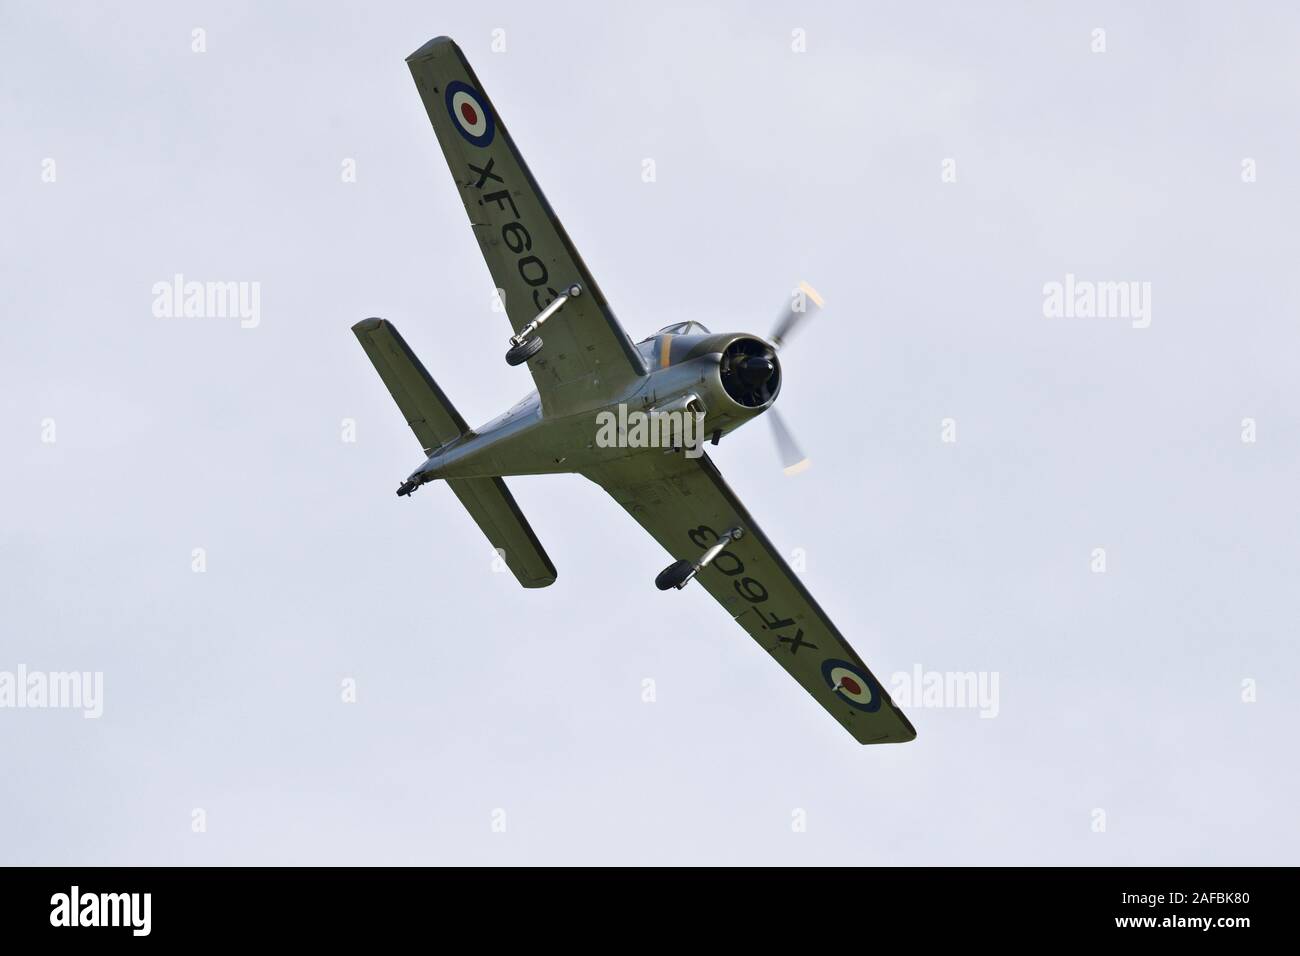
{"type": "Point", "coordinates": [525, 441]}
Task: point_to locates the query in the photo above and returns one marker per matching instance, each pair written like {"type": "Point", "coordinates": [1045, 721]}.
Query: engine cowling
{"type": "Point", "coordinates": [750, 372]}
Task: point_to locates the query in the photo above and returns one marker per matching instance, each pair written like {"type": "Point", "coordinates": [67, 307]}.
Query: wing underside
{"type": "Point", "coordinates": [587, 356]}
{"type": "Point", "coordinates": [686, 506]}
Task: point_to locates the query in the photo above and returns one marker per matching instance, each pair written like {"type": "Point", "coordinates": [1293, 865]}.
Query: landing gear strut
{"type": "Point", "coordinates": [528, 343]}
{"type": "Point", "coordinates": [679, 573]}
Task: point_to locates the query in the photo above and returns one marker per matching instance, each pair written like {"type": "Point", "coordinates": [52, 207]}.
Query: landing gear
{"type": "Point", "coordinates": [528, 343]}
{"type": "Point", "coordinates": [676, 575]}
{"type": "Point", "coordinates": [521, 353]}
{"type": "Point", "coordinates": [679, 573]}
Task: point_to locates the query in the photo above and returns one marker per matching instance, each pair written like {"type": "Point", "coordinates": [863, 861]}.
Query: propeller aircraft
{"type": "Point", "coordinates": [584, 366]}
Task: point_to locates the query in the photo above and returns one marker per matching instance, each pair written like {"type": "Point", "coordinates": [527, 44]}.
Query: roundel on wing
{"type": "Point", "coordinates": [469, 113]}
{"type": "Point", "coordinates": [852, 684]}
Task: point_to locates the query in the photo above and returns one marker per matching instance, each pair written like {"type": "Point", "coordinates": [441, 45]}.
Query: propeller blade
{"type": "Point", "coordinates": [805, 300]}
{"type": "Point", "coordinates": [792, 458]}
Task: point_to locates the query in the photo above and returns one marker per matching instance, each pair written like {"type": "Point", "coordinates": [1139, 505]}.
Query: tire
{"type": "Point", "coordinates": [519, 354]}
{"type": "Point", "coordinates": [675, 575]}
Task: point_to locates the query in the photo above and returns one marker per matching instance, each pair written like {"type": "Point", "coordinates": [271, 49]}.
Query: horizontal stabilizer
{"type": "Point", "coordinates": [492, 506]}
{"type": "Point", "coordinates": [427, 410]}
{"type": "Point", "coordinates": [435, 423]}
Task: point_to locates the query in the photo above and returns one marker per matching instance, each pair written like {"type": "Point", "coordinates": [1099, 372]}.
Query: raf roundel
{"type": "Point", "coordinates": [852, 685]}
{"type": "Point", "coordinates": [470, 114]}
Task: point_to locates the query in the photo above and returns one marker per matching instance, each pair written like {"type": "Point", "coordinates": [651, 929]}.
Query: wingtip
{"type": "Point", "coordinates": [432, 48]}
{"type": "Point", "coordinates": [799, 467]}
{"type": "Point", "coordinates": [907, 736]}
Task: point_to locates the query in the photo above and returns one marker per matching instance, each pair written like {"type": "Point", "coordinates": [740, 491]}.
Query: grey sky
{"type": "Point", "coordinates": [1120, 691]}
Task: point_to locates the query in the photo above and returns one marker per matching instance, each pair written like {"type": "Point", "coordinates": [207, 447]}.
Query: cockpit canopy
{"type": "Point", "coordinates": [671, 342]}
{"type": "Point", "coordinates": [684, 328]}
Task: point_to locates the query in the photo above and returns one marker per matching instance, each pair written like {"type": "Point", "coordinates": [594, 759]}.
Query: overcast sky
{"type": "Point", "coordinates": [1146, 713]}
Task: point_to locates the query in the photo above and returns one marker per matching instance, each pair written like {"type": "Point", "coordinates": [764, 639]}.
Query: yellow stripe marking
{"type": "Point", "coordinates": [663, 352]}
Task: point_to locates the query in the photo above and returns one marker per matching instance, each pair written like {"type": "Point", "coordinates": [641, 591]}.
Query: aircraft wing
{"type": "Point", "coordinates": [587, 358]}
{"type": "Point", "coordinates": [685, 504]}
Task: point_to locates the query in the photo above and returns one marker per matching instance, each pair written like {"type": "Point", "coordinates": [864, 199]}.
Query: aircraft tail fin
{"type": "Point", "coordinates": [435, 422]}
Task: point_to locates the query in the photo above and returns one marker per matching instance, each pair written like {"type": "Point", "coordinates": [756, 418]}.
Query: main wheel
{"type": "Point", "coordinates": [675, 575]}
{"type": "Point", "coordinates": [521, 353]}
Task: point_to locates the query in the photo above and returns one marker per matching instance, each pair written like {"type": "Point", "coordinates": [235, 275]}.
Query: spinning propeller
{"type": "Point", "coordinates": [803, 303]}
